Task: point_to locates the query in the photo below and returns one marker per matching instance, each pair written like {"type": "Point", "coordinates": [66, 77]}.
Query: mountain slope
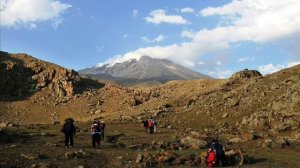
{"type": "Point", "coordinates": [145, 69]}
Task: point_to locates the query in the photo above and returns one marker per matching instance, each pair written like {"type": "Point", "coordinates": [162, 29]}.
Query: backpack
{"type": "Point", "coordinates": [150, 123]}
{"type": "Point", "coordinates": [96, 128]}
{"type": "Point", "coordinates": [102, 126]}
{"type": "Point", "coordinates": [69, 127]}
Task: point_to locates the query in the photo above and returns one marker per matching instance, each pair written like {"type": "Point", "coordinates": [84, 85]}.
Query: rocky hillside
{"type": "Point", "coordinates": [259, 114]}
{"type": "Point", "coordinates": [245, 104]}
{"type": "Point", "coordinates": [21, 74]}
{"type": "Point", "coordinates": [144, 69]}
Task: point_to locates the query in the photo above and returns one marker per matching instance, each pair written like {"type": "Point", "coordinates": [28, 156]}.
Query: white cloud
{"type": "Point", "coordinates": [16, 13]}
{"type": "Point", "coordinates": [256, 20]}
{"type": "Point", "coordinates": [159, 16]}
{"type": "Point", "coordinates": [259, 21]}
{"type": "Point", "coordinates": [290, 64]}
{"type": "Point", "coordinates": [135, 13]}
{"type": "Point", "coordinates": [187, 10]}
{"type": "Point", "coordinates": [184, 54]}
{"type": "Point", "coordinates": [156, 39]}
{"type": "Point", "coordinates": [222, 74]}
{"type": "Point", "coordinates": [244, 59]}
{"type": "Point", "coordinates": [270, 68]}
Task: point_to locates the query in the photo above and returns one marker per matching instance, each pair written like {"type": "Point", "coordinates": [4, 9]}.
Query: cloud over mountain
{"type": "Point", "coordinates": [239, 21]}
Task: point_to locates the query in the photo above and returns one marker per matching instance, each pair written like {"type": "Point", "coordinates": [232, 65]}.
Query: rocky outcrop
{"type": "Point", "coordinates": [22, 74]}
{"type": "Point", "coordinates": [245, 74]}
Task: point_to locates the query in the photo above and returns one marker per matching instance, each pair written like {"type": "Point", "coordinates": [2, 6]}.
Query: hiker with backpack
{"type": "Point", "coordinates": [217, 147]}
{"type": "Point", "coordinates": [151, 126]}
{"type": "Point", "coordinates": [102, 128]}
{"type": "Point", "coordinates": [69, 130]}
{"type": "Point", "coordinates": [96, 134]}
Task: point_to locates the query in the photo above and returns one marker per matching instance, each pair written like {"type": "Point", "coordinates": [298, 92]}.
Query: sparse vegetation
{"type": "Point", "coordinates": [259, 115]}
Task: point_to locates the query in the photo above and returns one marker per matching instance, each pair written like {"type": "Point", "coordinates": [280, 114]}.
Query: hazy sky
{"type": "Point", "coordinates": [214, 37]}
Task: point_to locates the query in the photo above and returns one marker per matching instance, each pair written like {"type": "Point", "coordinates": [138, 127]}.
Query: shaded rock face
{"type": "Point", "coordinates": [22, 74]}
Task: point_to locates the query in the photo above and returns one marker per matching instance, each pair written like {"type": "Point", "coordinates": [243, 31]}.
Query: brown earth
{"type": "Point", "coordinates": [259, 114]}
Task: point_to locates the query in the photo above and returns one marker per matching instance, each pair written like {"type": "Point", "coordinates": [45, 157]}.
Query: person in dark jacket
{"type": "Point", "coordinates": [217, 147]}
{"type": "Point", "coordinates": [145, 125]}
{"type": "Point", "coordinates": [102, 128]}
{"type": "Point", "coordinates": [69, 130]}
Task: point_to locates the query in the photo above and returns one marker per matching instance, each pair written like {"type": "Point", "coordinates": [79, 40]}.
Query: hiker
{"type": "Point", "coordinates": [69, 130]}
{"type": "Point", "coordinates": [151, 126]}
{"type": "Point", "coordinates": [102, 128]}
{"type": "Point", "coordinates": [145, 125]}
{"type": "Point", "coordinates": [217, 147]}
{"type": "Point", "coordinates": [211, 159]}
{"type": "Point", "coordinates": [154, 125]}
{"type": "Point", "coordinates": [96, 134]}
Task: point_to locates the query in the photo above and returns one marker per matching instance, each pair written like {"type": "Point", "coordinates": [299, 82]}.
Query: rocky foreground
{"type": "Point", "coordinates": [256, 117]}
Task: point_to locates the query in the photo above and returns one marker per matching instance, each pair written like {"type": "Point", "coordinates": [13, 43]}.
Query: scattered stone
{"type": "Point", "coordinates": [50, 144]}
{"type": "Point", "coordinates": [56, 123]}
{"type": "Point", "coordinates": [225, 115]}
{"type": "Point", "coordinates": [29, 156]}
{"type": "Point", "coordinates": [3, 124]}
{"type": "Point", "coordinates": [77, 154]}
{"type": "Point", "coordinates": [139, 158]}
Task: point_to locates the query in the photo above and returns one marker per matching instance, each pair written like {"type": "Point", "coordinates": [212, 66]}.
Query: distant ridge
{"type": "Point", "coordinates": [143, 70]}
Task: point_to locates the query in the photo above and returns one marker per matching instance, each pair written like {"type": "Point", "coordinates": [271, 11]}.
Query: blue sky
{"type": "Point", "coordinates": [215, 37]}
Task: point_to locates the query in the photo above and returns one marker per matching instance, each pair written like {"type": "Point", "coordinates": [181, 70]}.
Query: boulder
{"type": "Point", "coordinates": [248, 136]}
{"type": "Point", "coordinates": [139, 158]}
{"type": "Point", "coordinates": [193, 143]}
{"type": "Point", "coordinates": [267, 143]}
{"type": "Point", "coordinates": [235, 140]}
{"type": "Point", "coordinates": [203, 156]}
{"type": "Point", "coordinates": [236, 157]}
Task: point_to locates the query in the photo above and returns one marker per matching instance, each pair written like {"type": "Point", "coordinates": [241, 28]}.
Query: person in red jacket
{"type": "Point", "coordinates": [211, 159]}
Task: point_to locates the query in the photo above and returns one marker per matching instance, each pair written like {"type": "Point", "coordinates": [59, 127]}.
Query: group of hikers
{"type": "Point", "coordinates": [150, 125]}
{"type": "Point", "coordinates": [216, 154]}
{"type": "Point", "coordinates": [97, 130]}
